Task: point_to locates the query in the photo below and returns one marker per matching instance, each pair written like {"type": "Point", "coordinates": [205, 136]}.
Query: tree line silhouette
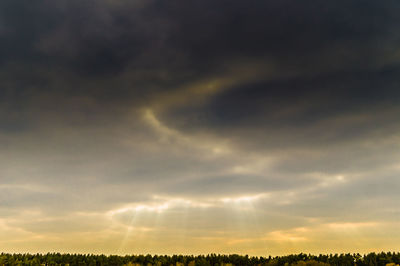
{"type": "Point", "coordinates": [50, 259]}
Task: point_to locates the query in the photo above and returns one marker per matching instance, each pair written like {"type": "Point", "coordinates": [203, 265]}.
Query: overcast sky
{"type": "Point", "coordinates": [195, 127]}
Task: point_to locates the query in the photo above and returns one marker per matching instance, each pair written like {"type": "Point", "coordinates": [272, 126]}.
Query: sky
{"type": "Point", "coordinates": [195, 127]}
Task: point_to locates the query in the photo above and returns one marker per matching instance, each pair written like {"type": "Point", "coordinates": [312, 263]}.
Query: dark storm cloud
{"type": "Point", "coordinates": [94, 39]}
{"type": "Point", "coordinates": [289, 31]}
{"type": "Point", "coordinates": [312, 110]}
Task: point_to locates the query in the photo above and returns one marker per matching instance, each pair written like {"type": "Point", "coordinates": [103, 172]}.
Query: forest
{"type": "Point", "coordinates": [383, 258]}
